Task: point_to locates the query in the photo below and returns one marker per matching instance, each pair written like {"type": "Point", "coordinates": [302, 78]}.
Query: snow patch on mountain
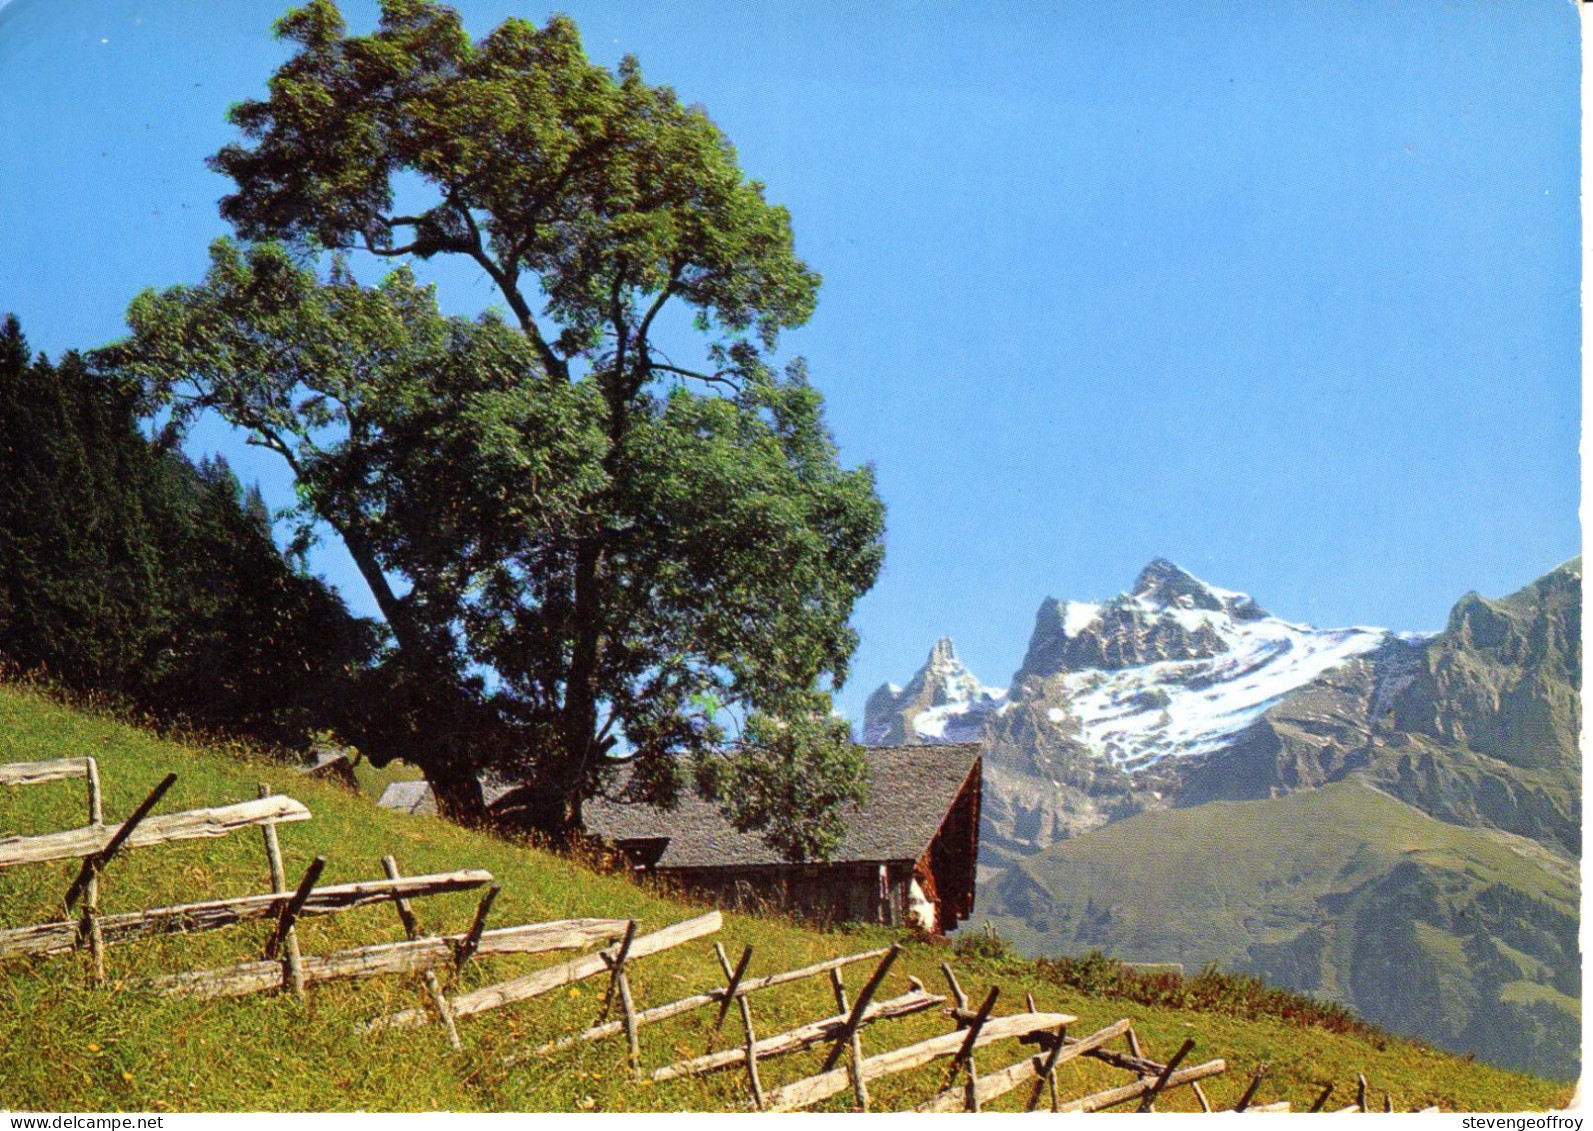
{"type": "Point", "coordinates": [1135, 717]}
{"type": "Point", "coordinates": [1078, 615]}
{"type": "Point", "coordinates": [1174, 668]}
{"type": "Point", "coordinates": [958, 722]}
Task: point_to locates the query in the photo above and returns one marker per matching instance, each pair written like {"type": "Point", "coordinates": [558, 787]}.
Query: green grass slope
{"type": "Point", "coordinates": [65, 1046]}
{"type": "Point", "coordinates": [1342, 892]}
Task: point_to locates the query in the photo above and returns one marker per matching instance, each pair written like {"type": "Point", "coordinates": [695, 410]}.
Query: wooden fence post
{"type": "Point", "coordinates": [277, 943]}
{"type": "Point", "coordinates": [91, 896]}
{"type": "Point", "coordinates": [1321, 1101]}
{"type": "Point", "coordinates": [1255, 1085]}
{"type": "Point", "coordinates": [87, 883]}
{"type": "Point", "coordinates": [406, 916]}
{"type": "Point", "coordinates": [1360, 1090]}
{"type": "Point", "coordinates": [843, 1042]}
{"type": "Point", "coordinates": [633, 1040]}
{"type": "Point", "coordinates": [958, 998]}
{"type": "Point", "coordinates": [1148, 1102]}
{"type": "Point", "coordinates": [1047, 1077]}
{"type": "Point", "coordinates": [854, 1046]}
{"type": "Point", "coordinates": [467, 945]}
{"type": "Point", "coordinates": [279, 883]}
{"type": "Point", "coordinates": [732, 984]}
{"type": "Point", "coordinates": [754, 1084]}
{"type": "Point", "coordinates": [964, 1060]}
{"type": "Point", "coordinates": [94, 862]}
{"type": "Point", "coordinates": [615, 964]}
{"type": "Point", "coordinates": [619, 987]}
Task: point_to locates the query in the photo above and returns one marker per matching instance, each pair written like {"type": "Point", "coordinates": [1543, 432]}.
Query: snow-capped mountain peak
{"type": "Point", "coordinates": [1174, 667]}
{"type": "Point", "coordinates": [944, 702]}
{"type": "Point", "coordinates": [1163, 585]}
{"type": "Point", "coordinates": [946, 677]}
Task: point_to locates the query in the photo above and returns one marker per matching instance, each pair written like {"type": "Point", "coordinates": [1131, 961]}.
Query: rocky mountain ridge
{"type": "Point", "coordinates": [1178, 697]}
{"type": "Point", "coordinates": [1178, 692]}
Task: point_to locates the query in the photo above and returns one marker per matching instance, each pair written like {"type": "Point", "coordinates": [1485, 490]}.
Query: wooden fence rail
{"type": "Point", "coordinates": [60, 937]}
{"type": "Point", "coordinates": [804, 1036]}
{"type": "Point", "coordinates": [1099, 1101]}
{"type": "Point", "coordinates": [412, 956]}
{"type": "Point", "coordinates": [35, 773]}
{"type": "Point", "coordinates": [195, 824]}
{"type": "Point", "coordinates": [543, 981]}
{"type": "Point", "coordinates": [1038, 1067]}
{"type": "Point", "coordinates": [657, 1013]}
{"type": "Point", "coordinates": [809, 1091]}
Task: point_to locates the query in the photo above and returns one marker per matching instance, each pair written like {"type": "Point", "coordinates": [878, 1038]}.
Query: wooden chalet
{"type": "Point", "coordinates": [908, 858]}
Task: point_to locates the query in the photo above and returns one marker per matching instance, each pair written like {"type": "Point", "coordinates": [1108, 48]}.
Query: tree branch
{"type": "Point", "coordinates": [658, 304]}
{"type": "Point", "coordinates": [616, 314]}
{"type": "Point", "coordinates": [270, 440]}
{"type": "Point", "coordinates": [505, 278]}
{"type": "Point", "coordinates": [710, 378]}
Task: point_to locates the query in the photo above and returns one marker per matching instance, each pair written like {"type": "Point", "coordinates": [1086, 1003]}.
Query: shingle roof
{"type": "Point", "coordinates": [910, 790]}
{"type": "Point", "coordinates": [413, 797]}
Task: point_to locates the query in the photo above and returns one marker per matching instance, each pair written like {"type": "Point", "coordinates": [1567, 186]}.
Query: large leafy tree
{"type": "Point", "coordinates": [652, 558]}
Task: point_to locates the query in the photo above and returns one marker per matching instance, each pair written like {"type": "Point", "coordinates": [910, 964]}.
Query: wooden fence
{"type": "Point", "coordinates": [434, 959]}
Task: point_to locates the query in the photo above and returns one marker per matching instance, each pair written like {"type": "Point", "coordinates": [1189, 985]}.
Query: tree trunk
{"type": "Point", "coordinates": [441, 707]}
{"type": "Point", "coordinates": [459, 797]}
{"type": "Point", "coordinates": [552, 812]}
{"type": "Point", "coordinates": [559, 816]}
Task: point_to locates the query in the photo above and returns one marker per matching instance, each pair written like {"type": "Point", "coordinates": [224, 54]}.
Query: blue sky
{"type": "Point", "coordinates": [1285, 292]}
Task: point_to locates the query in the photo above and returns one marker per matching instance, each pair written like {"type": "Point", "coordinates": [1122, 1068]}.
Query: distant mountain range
{"type": "Point", "coordinates": [1392, 821]}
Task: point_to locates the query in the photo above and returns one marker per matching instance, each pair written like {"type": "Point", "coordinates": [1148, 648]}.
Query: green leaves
{"type": "Point", "coordinates": [608, 191]}
{"type": "Point", "coordinates": [619, 540]}
{"type": "Point", "coordinates": [791, 781]}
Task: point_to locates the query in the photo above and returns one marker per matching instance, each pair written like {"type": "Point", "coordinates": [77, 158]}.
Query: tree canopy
{"type": "Point", "coordinates": [602, 568]}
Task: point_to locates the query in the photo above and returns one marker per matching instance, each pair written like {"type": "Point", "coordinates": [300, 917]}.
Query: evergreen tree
{"type": "Point", "coordinates": [128, 571]}
{"type": "Point", "coordinates": [81, 593]}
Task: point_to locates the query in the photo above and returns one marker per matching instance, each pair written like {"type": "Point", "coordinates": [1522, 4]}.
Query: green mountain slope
{"type": "Point", "coordinates": [1478, 726]}
{"type": "Point", "coordinates": [1466, 936]}
{"type": "Point", "coordinates": [64, 1046]}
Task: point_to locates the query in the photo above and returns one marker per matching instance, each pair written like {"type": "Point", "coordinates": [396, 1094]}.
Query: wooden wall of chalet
{"type": "Point", "coordinates": [831, 893]}
{"type": "Point", "coordinates": [858, 892]}
{"type": "Point", "coordinates": [950, 862]}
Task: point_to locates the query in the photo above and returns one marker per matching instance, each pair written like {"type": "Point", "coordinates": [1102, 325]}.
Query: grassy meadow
{"type": "Point", "coordinates": [67, 1046]}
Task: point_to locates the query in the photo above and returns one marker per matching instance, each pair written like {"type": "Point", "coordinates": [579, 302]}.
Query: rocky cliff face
{"type": "Point", "coordinates": [1483, 727]}
{"type": "Point", "coordinates": [1177, 696]}
{"type": "Point", "coordinates": [1503, 679]}
{"type": "Point", "coordinates": [1167, 615]}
